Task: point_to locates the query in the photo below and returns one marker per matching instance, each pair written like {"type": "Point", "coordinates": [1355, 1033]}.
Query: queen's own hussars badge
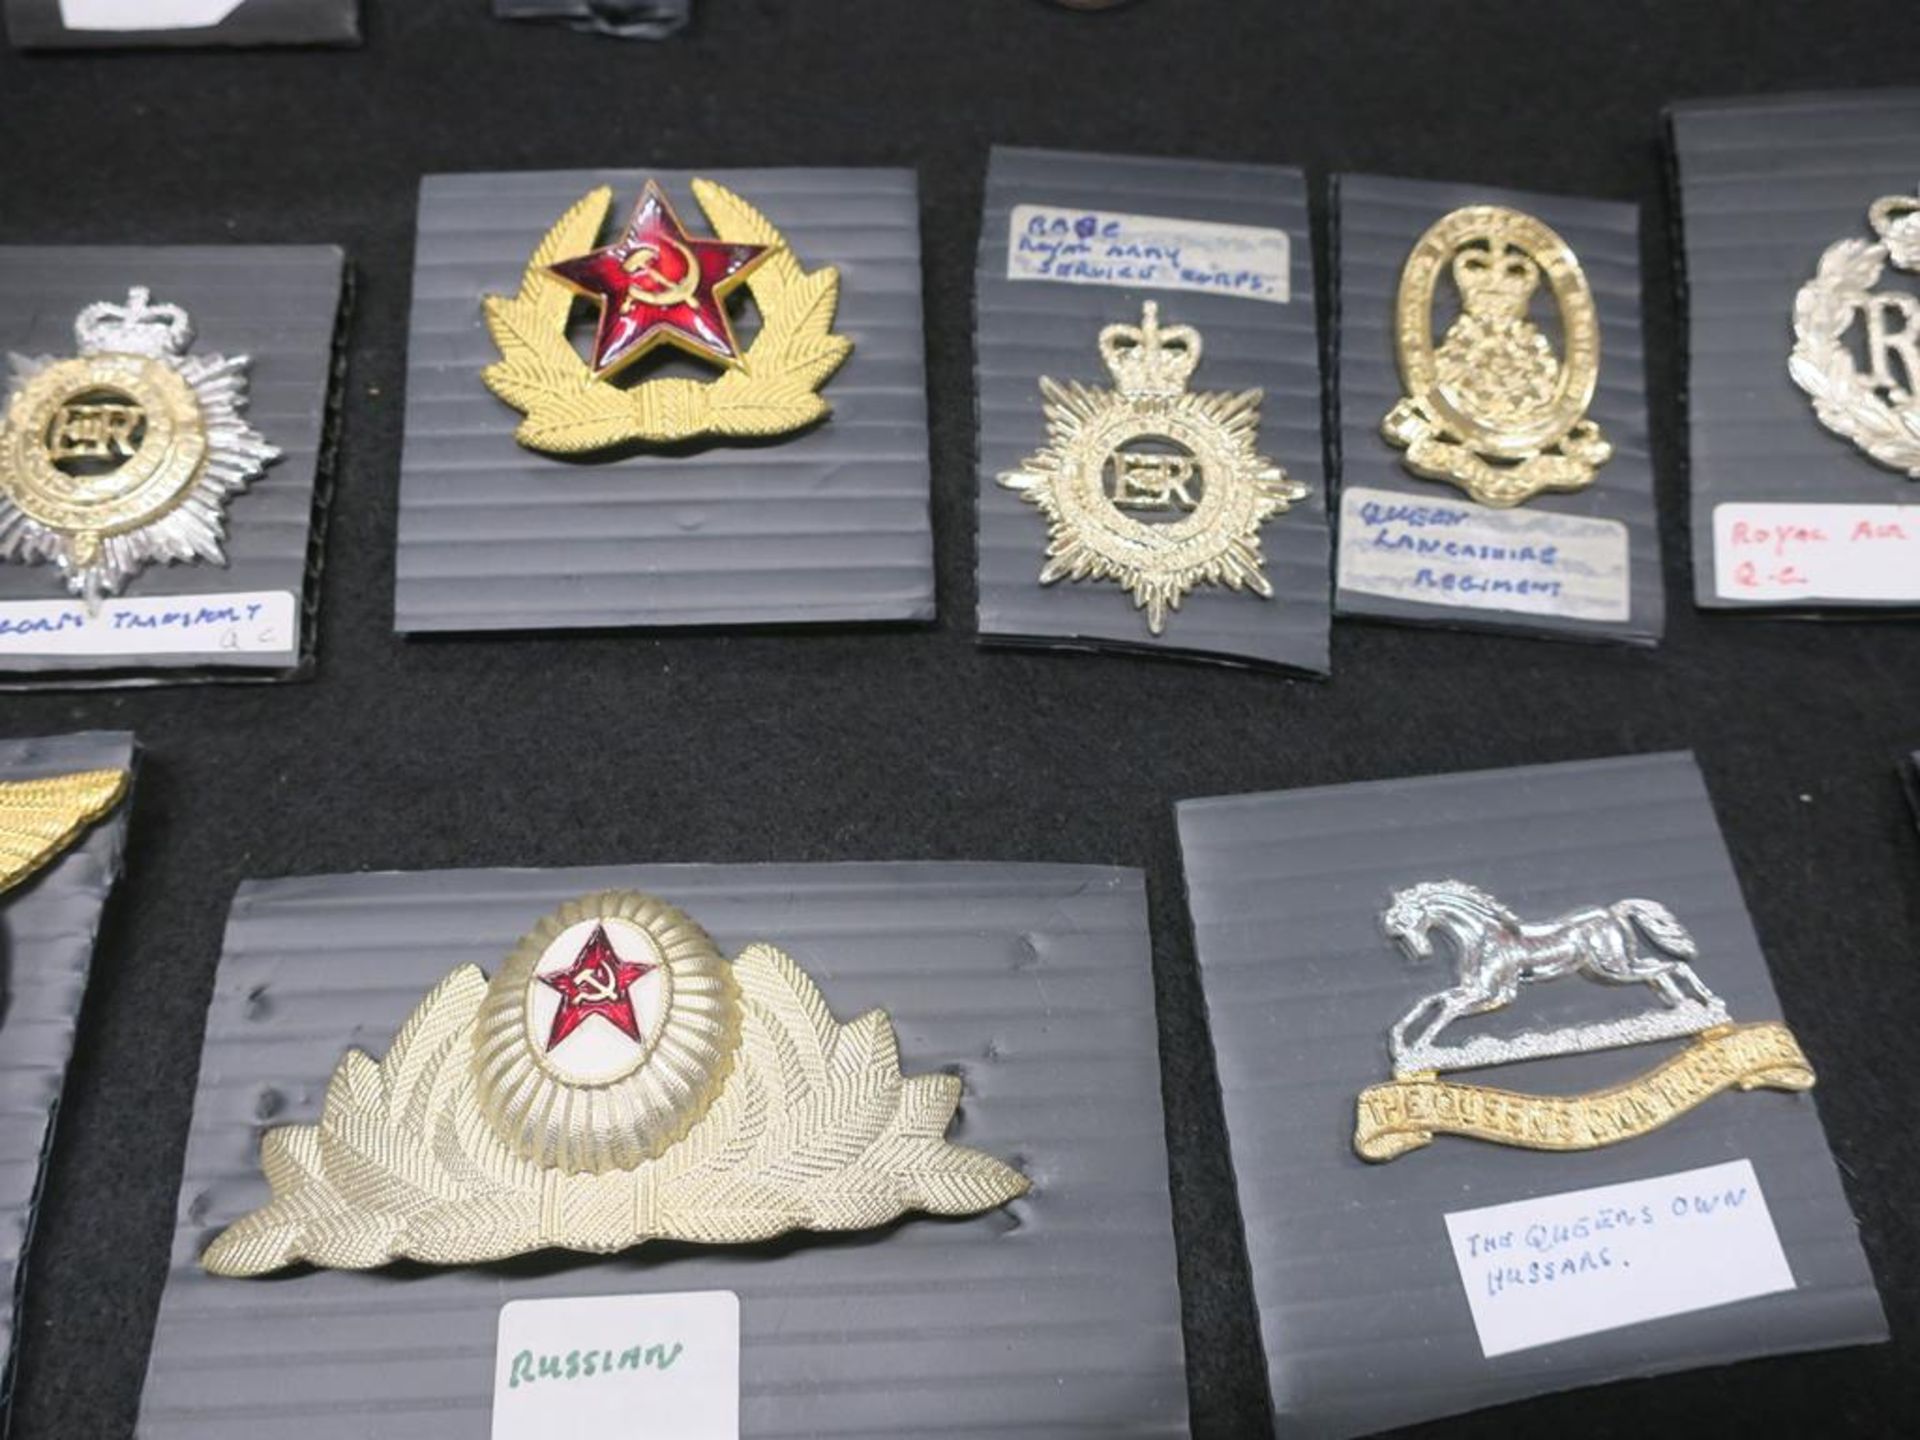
{"type": "Point", "coordinates": [657, 287]}
{"type": "Point", "coordinates": [1841, 318]}
{"type": "Point", "coordinates": [126, 454]}
{"type": "Point", "coordinates": [617, 1081]}
{"type": "Point", "coordinates": [1495, 953]}
{"type": "Point", "coordinates": [1490, 407]}
{"type": "Point", "coordinates": [1150, 484]}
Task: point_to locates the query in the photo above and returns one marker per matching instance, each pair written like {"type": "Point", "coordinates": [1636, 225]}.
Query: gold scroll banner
{"type": "Point", "coordinates": [1406, 1114]}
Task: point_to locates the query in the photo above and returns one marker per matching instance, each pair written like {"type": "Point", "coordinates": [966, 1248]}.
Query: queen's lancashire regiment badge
{"type": "Point", "coordinates": [1495, 953]}
{"type": "Point", "coordinates": [1878, 409]}
{"type": "Point", "coordinates": [1491, 408]}
{"type": "Point", "coordinates": [659, 287]}
{"type": "Point", "coordinates": [1150, 484]}
{"type": "Point", "coordinates": [617, 1081]}
{"type": "Point", "coordinates": [126, 454]}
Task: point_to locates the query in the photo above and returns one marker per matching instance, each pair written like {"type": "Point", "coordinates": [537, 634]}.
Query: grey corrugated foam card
{"type": "Point", "coordinates": [1763, 186]}
{"type": "Point", "coordinates": [47, 930]}
{"type": "Point", "coordinates": [1580, 565]}
{"type": "Point", "coordinates": [255, 618]}
{"type": "Point", "coordinates": [1056, 1315]}
{"type": "Point", "coordinates": [1028, 328]}
{"type": "Point", "coordinates": [827, 526]}
{"type": "Point", "coordinates": [117, 24]}
{"type": "Point", "coordinates": [1363, 1313]}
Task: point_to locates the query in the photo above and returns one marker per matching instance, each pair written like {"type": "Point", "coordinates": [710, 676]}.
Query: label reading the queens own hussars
{"type": "Point", "coordinates": [1583, 1261]}
{"type": "Point", "coordinates": [1148, 252]}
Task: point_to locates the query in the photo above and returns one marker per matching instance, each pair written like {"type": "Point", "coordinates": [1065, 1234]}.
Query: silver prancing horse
{"type": "Point", "coordinates": [1496, 952]}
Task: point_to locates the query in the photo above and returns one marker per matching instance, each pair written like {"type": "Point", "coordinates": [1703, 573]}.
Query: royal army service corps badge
{"type": "Point", "coordinates": [1491, 408]}
{"type": "Point", "coordinates": [1150, 484]}
{"type": "Point", "coordinates": [617, 1081]}
{"type": "Point", "coordinates": [125, 455]}
{"type": "Point", "coordinates": [659, 287]}
{"type": "Point", "coordinates": [1840, 318]}
{"type": "Point", "coordinates": [1495, 953]}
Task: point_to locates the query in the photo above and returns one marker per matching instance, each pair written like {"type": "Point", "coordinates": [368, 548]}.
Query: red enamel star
{"type": "Point", "coordinates": [600, 983]}
{"type": "Point", "coordinates": [657, 285]}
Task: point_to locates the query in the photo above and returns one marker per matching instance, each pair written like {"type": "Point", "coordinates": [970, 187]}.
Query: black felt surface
{"type": "Point", "coordinates": [916, 743]}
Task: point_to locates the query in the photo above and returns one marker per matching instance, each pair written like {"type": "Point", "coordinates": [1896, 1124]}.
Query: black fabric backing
{"type": "Point", "coordinates": [914, 743]}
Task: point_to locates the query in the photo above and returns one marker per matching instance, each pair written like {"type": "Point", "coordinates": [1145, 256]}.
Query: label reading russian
{"type": "Point", "coordinates": [665, 1366]}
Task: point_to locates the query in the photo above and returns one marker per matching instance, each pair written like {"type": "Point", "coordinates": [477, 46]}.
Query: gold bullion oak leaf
{"type": "Point", "coordinates": [816, 1129]}
{"type": "Point", "coordinates": [39, 819]}
{"type": "Point", "coordinates": [568, 411]}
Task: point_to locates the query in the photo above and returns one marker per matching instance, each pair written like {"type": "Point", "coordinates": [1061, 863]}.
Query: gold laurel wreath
{"type": "Point", "coordinates": [569, 412]}
{"type": "Point", "coordinates": [40, 818]}
{"type": "Point", "coordinates": [1822, 366]}
{"type": "Point", "coordinates": [816, 1129]}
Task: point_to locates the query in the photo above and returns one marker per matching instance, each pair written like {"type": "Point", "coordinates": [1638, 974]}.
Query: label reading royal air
{"type": "Point", "coordinates": [1457, 553]}
{"type": "Point", "coordinates": [264, 622]}
{"type": "Point", "coordinates": [641, 1367]}
{"type": "Point", "coordinates": [1552, 1268]}
{"type": "Point", "coordinates": [1810, 553]}
{"type": "Point", "coordinates": [1147, 252]}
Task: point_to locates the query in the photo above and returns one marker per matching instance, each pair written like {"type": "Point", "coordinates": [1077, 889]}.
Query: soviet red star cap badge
{"type": "Point", "coordinates": [660, 285]}
{"type": "Point", "coordinates": [657, 285]}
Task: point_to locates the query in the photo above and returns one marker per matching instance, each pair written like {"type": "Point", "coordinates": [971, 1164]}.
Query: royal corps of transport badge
{"type": "Point", "coordinates": [126, 454]}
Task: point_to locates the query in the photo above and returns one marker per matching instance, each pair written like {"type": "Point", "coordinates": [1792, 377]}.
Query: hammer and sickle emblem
{"type": "Point", "coordinates": [600, 986]}
{"type": "Point", "coordinates": [645, 263]}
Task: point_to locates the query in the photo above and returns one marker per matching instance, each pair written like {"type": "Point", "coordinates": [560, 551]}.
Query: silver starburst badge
{"type": "Point", "coordinates": [125, 455]}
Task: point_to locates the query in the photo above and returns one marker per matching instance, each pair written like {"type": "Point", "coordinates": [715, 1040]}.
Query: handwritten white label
{"type": "Point", "coordinates": [145, 14]}
{"type": "Point", "coordinates": [1537, 1271]}
{"type": "Point", "coordinates": [1809, 553]}
{"type": "Point", "coordinates": [645, 1367]}
{"type": "Point", "coordinates": [1453, 552]}
{"type": "Point", "coordinates": [1147, 252]}
{"type": "Point", "coordinates": [257, 622]}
